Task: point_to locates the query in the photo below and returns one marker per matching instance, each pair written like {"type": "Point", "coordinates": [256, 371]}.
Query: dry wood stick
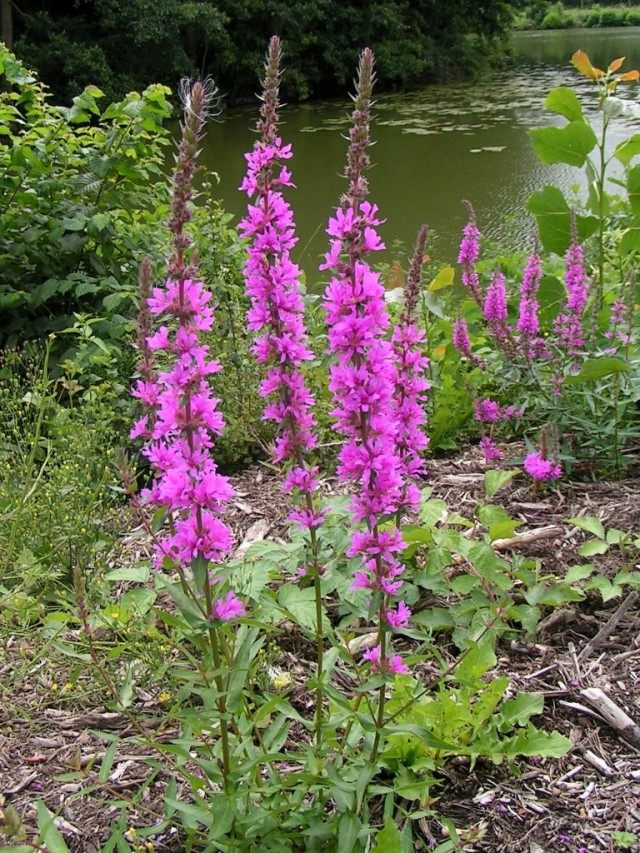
{"type": "Point", "coordinates": [609, 626]}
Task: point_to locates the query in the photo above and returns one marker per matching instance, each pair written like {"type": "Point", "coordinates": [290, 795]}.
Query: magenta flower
{"type": "Point", "coordinates": [490, 450]}
{"type": "Point", "coordinates": [487, 411]}
{"type": "Point", "coordinates": [460, 337]}
{"type": "Point", "coordinates": [568, 324]}
{"type": "Point", "coordinates": [272, 282]}
{"type": "Point", "coordinates": [468, 255]}
{"type": "Point", "coordinates": [229, 607]}
{"type": "Point", "coordinates": [183, 419]}
{"type": "Point", "coordinates": [363, 377]}
{"type": "Point", "coordinates": [541, 469]}
{"type": "Point", "coordinates": [411, 384]}
{"type": "Point", "coordinates": [392, 664]}
{"type": "Point", "coordinates": [528, 323]}
{"type": "Point", "coordinates": [495, 301]}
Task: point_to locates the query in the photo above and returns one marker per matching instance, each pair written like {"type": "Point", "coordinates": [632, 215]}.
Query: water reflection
{"type": "Point", "coordinates": [433, 148]}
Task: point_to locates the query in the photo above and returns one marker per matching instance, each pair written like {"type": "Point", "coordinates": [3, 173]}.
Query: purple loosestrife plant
{"type": "Point", "coordinates": [411, 384]}
{"type": "Point", "coordinates": [568, 325]}
{"type": "Point", "coordinates": [272, 283]}
{"type": "Point", "coordinates": [528, 323]}
{"type": "Point", "coordinates": [469, 254]}
{"type": "Point", "coordinates": [183, 417]}
{"type": "Point", "coordinates": [362, 382]}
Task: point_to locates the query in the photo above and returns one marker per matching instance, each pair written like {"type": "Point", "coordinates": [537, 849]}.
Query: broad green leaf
{"type": "Point", "coordinates": [444, 278]}
{"type": "Point", "coordinates": [628, 149]}
{"type": "Point", "coordinates": [570, 144]}
{"type": "Point", "coordinates": [532, 741]}
{"type": "Point", "coordinates": [389, 839]}
{"type": "Point", "coordinates": [564, 102]}
{"type": "Point", "coordinates": [578, 573]}
{"type": "Point", "coordinates": [134, 574]}
{"type": "Point", "coordinates": [478, 660]}
{"type": "Point", "coordinates": [553, 216]}
{"type": "Point", "coordinates": [597, 368]}
{"type": "Point", "coordinates": [49, 835]}
{"type": "Point", "coordinates": [604, 586]}
{"type": "Point", "coordinates": [300, 604]}
{"type": "Point", "coordinates": [520, 709]}
{"type": "Point", "coordinates": [589, 523]}
{"type": "Point", "coordinates": [348, 831]}
{"type": "Point", "coordinates": [629, 578]}
{"type": "Point", "coordinates": [495, 479]}
{"type": "Point", "coordinates": [551, 296]}
{"type": "Point", "coordinates": [503, 529]}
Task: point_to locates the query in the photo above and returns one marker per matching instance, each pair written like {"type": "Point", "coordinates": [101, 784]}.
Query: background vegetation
{"type": "Point", "coordinates": [121, 45]}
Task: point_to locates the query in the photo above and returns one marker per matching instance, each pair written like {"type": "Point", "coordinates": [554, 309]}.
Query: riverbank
{"type": "Point", "coordinates": [556, 16]}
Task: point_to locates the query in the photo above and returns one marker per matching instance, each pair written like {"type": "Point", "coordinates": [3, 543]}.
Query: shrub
{"type": "Point", "coordinates": [556, 18]}
{"type": "Point", "coordinates": [81, 189]}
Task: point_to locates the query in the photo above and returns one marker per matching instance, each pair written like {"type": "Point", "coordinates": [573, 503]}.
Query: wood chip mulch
{"type": "Point", "coordinates": [572, 805]}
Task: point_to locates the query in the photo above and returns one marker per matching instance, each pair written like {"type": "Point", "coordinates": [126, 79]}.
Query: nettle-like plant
{"type": "Point", "coordinates": [263, 771]}
{"type": "Point", "coordinates": [560, 345]}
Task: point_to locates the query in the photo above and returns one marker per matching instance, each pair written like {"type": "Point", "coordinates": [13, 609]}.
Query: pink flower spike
{"type": "Point", "coordinates": [541, 469]}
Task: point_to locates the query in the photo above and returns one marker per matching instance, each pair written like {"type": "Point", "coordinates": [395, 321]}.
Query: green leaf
{"type": "Point", "coordinates": [589, 523]}
{"type": "Point", "coordinates": [503, 529]}
{"type": "Point", "coordinates": [49, 834]}
{"type": "Point", "coordinates": [389, 839]}
{"type": "Point", "coordinates": [569, 144]}
{"type": "Point", "coordinates": [495, 479]}
{"type": "Point", "coordinates": [551, 296]}
{"type": "Point", "coordinates": [552, 214]}
{"type": "Point", "coordinates": [444, 278]}
{"type": "Point", "coordinates": [604, 586]}
{"type": "Point", "coordinates": [532, 741]}
{"type": "Point", "coordinates": [134, 574]}
{"type": "Point", "coordinates": [348, 831]}
{"type": "Point", "coordinates": [564, 102]}
{"type": "Point", "coordinates": [628, 149]}
{"type": "Point", "coordinates": [107, 762]}
{"type": "Point", "coordinates": [479, 658]}
{"type": "Point", "coordinates": [578, 573]}
{"type": "Point", "coordinates": [518, 711]}
{"type": "Point", "coordinates": [597, 368]}
{"type": "Point", "coordinates": [300, 604]}
{"type": "Point", "coordinates": [633, 189]}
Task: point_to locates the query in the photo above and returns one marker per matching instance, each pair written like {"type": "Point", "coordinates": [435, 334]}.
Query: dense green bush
{"type": "Point", "coordinates": [556, 18]}
{"type": "Point", "coordinates": [79, 195]}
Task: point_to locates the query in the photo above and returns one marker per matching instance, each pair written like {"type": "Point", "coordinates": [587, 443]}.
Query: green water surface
{"type": "Point", "coordinates": [433, 148]}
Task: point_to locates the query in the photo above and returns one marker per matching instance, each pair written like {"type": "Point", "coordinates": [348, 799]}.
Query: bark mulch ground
{"type": "Point", "coordinates": [577, 803]}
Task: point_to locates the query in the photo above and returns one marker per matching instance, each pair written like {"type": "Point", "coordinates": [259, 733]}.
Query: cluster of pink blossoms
{"type": "Point", "coordinates": [490, 411]}
{"type": "Point", "coordinates": [568, 324]}
{"type": "Point", "coordinates": [272, 282]}
{"type": "Point", "coordinates": [411, 384]}
{"type": "Point", "coordinates": [378, 449]}
{"type": "Point", "coordinates": [179, 429]}
{"type": "Point", "coordinates": [541, 469]}
{"type": "Point", "coordinates": [182, 416]}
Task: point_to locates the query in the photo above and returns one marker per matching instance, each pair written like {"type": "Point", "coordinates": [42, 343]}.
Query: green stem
{"type": "Point", "coordinates": [221, 701]}
{"type": "Point", "coordinates": [382, 695]}
{"type": "Point", "coordinates": [600, 182]}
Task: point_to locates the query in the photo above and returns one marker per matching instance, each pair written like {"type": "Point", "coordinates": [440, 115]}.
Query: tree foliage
{"type": "Point", "coordinates": [120, 45]}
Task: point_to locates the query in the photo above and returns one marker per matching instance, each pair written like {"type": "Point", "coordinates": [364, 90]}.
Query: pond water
{"type": "Point", "coordinates": [433, 148]}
